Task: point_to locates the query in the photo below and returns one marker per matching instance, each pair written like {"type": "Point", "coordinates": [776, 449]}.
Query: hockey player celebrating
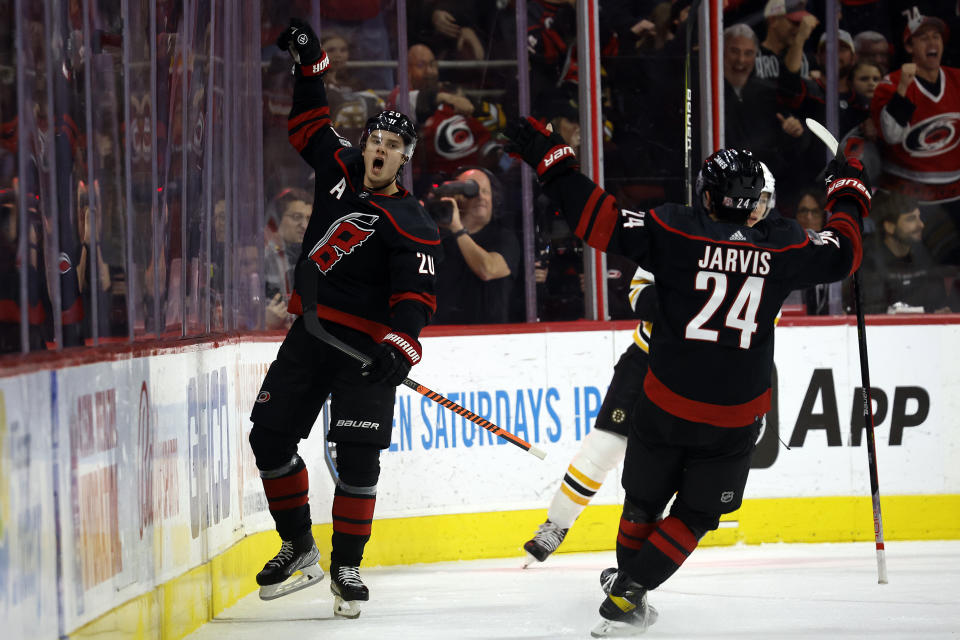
{"type": "Point", "coordinates": [604, 446]}
{"type": "Point", "coordinates": [719, 286]}
{"type": "Point", "coordinates": [368, 267]}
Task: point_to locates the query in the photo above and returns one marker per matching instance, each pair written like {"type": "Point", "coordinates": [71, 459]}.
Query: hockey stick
{"type": "Point", "coordinates": [821, 132]}
{"type": "Point", "coordinates": [307, 274]}
{"type": "Point", "coordinates": [688, 107]}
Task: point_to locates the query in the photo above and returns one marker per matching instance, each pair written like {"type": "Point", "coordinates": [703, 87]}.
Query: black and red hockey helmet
{"type": "Point", "coordinates": [734, 179]}
{"type": "Point", "coordinates": [395, 122]}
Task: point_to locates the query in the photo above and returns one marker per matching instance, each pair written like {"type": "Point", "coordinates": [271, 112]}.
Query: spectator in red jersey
{"type": "Point", "coordinates": [915, 110]}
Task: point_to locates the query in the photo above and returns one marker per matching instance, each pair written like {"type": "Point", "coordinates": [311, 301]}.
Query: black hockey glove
{"type": "Point", "coordinates": [542, 149]}
{"type": "Point", "coordinates": [304, 46]}
{"type": "Point", "coordinates": [395, 356]}
{"type": "Point", "coordinates": [846, 179]}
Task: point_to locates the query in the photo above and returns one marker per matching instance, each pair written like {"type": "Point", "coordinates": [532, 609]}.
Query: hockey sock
{"type": "Point", "coordinates": [666, 548]}
{"type": "Point", "coordinates": [286, 489]}
{"type": "Point", "coordinates": [352, 522]}
{"type": "Point", "coordinates": [600, 452]}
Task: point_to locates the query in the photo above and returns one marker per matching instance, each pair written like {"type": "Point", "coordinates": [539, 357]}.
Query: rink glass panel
{"type": "Point", "coordinates": [144, 146]}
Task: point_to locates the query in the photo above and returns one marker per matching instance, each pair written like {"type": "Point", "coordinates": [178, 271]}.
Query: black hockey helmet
{"type": "Point", "coordinates": [734, 180]}
{"type": "Point", "coordinates": [395, 122]}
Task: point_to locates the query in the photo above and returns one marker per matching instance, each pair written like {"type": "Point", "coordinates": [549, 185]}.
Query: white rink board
{"type": "Point", "coordinates": [153, 474]}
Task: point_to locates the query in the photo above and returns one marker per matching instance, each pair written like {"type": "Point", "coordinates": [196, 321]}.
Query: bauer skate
{"type": "Point", "coordinates": [624, 612]}
{"type": "Point", "coordinates": [544, 542]}
{"type": "Point", "coordinates": [279, 576]}
{"type": "Point", "coordinates": [348, 591]}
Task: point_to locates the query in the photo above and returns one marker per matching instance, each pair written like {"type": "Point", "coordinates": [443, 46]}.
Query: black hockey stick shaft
{"type": "Point", "coordinates": [827, 138]}
{"type": "Point", "coordinates": [312, 323]}
{"type": "Point", "coordinates": [688, 106]}
{"type": "Point", "coordinates": [869, 426]}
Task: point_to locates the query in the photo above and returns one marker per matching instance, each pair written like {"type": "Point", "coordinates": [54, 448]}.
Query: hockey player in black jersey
{"type": "Point", "coordinates": [368, 263]}
{"type": "Point", "coordinates": [720, 285]}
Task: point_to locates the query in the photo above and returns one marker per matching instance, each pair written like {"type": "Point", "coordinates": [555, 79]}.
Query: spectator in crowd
{"type": "Point", "coordinates": [104, 282]}
{"type": "Point", "coordinates": [350, 103]}
{"type": "Point", "coordinates": [558, 269]}
{"type": "Point", "coordinates": [915, 111]}
{"type": "Point", "coordinates": [810, 213]}
{"type": "Point", "coordinates": [451, 26]}
{"type": "Point", "coordinates": [39, 307]}
{"type": "Point", "coordinates": [480, 257]}
{"type": "Point", "coordinates": [861, 141]}
{"type": "Point", "coordinates": [873, 47]}
{"type": "Point", "coordinates": [752, 118]}
{"type": "Point", "coordinates": [846, 58]}
{"type": "Point", "coordinates": [283, 245]}
{"type": "Point", "coordinates": [456, 130]}
{"type": "Point", "coordinates": [783, 18]}
{"type": "Point", "coordinates": [338, 52]}
{"type": "Point", "coordinates": [363, 24]}
{"type": "Point", "coordinates": [898, 273]}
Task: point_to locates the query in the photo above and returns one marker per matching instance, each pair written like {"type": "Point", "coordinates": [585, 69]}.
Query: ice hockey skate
{"type": "Point", "coordinates": [625, 612]}
{"type": "Point", "coordinates": [348, 591]}
{"type": "Point", "coordinates": [607, 576]}
{"type": "Point", "coordinates": [279, 576]}
{"type": "Point", "coordinates": [544, 542]}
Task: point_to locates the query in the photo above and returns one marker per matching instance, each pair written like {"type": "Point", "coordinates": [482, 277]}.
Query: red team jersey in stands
{"type": "Point", "coordinates": [923, 158]}
{"type": "Point", "coordinates": [376, 253]}
{"type": "Point", "coordinates": [719, 289]}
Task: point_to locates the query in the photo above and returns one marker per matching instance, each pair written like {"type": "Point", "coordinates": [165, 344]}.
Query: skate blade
{"type": "Point", "coordinates": [308, 577]}
{"type": "Point", "coordinates": [528, 560]}
{"type": "Point", "coordinates": [613, 629]}
{"type": "Point", "coordinates": [346, 608]}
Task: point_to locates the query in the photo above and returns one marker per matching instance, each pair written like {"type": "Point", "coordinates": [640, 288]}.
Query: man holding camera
{"type": "Point", "coordinates": [480, 256]}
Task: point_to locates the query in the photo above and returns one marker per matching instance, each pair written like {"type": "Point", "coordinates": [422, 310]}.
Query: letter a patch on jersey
{"type": "Point", "coordinates": [343, 236]}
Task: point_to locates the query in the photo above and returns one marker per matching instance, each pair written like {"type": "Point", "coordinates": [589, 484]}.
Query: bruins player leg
{"type": "Point", "coordinates": [601, 451]}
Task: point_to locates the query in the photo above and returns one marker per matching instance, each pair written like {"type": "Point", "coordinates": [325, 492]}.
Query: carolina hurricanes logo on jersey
{"type": "Point", "coordinates": [454, 139]}
{"type": "Point", "coordinates": [933, 136]}
{"type": "Point", "coordinates": [65, 263]}
{"type": "Point", "coordinates": [343, 236]}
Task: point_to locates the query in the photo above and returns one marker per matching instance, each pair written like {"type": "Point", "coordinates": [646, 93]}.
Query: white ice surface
{"type": "Point", "coordinates": [769, 591]}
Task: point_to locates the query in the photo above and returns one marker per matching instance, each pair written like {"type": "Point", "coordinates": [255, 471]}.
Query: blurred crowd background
{"type": "Point", "coordinates": [148, 189]}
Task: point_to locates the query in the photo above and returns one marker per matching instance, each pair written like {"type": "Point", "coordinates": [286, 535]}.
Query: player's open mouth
{"type": "Point", "coordinates": [378, 163]}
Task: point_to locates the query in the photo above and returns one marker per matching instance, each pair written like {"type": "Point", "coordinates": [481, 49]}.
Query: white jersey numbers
{"type": "Point", "coordinates": [426, 263]}
{"type": "Point", "coordinates": [741, 316]}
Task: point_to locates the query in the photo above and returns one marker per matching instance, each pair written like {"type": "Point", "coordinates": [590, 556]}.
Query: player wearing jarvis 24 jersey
{"type": "Point", "coordinates": [720, 285]}
{"type": "Point", "coordinates": [368, 262]}
{"type": "Point", "coordinates": [604, 446]}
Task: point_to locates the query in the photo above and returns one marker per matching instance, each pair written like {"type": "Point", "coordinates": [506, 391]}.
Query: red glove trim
{"type": "Point", "coordinates": [406, 345]}
{"type": "Point", "coordinates": [317, 68]}
{"type": "Point", "coordinates": [556, 154]}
